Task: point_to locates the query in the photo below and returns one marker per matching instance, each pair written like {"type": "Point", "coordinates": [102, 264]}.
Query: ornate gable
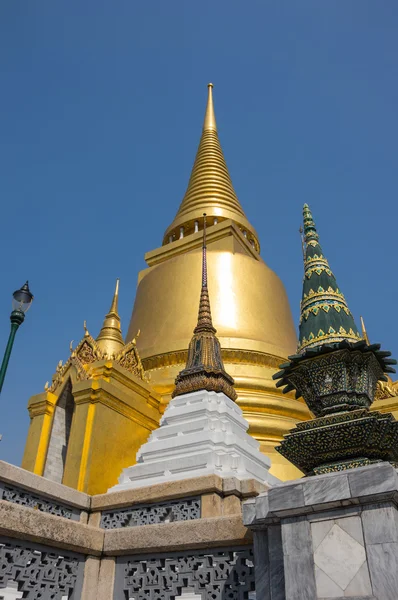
{"type": "Point", "coordinates": [87, 353]}
{"type": "Point", "coordinates": [130, 360]}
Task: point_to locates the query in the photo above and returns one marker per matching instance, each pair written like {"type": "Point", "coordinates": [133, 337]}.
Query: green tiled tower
{"type": "Point", "coordinates": [336, 372]}
{"type": "Point", "coordinates": [325, 316]}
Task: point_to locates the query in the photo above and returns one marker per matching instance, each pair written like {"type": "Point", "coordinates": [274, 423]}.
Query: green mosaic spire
{"type": "Point", "coordinates": [325, 316]}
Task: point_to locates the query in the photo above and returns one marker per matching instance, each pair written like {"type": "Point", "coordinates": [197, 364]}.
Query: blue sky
{"type": "Point", "coordinates": [101, 111]}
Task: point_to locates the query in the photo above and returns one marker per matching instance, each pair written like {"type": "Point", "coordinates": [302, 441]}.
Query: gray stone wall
{"type": "Point", "coordinates": [268, 565]}
{"type": "Point", "coordinates": [60, 431]}
{"type": "Point", "coordinates": [339, 536]}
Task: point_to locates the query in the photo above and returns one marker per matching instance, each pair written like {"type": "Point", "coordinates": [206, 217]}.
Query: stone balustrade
{"type": "Point", "coordinates": [65, 542]}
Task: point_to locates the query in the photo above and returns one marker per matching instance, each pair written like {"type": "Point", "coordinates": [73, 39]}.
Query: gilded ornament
{"type": "Point", "coordinates": [86, 354]}
{"type": "Point", "coordinates": [110, 340]}
{"type": "Point", "coordinates": [386, 389]}
{"type": "Point", "coordinates": [130, 360]}
{"type": "Point", "coordinates": [89, 351]}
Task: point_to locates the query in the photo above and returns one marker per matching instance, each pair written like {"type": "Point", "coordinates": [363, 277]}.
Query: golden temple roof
{"type": "Point", "coordinates": [110, 339]}
{"type": "Point", "coordinates": [210, 187]}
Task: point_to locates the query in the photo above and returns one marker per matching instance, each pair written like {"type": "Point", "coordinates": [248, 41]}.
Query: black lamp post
{"type": "Point", "coordinates": [21, 301]}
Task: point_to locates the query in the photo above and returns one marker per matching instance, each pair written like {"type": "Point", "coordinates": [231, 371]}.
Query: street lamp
{"type": "Point", "coordinates": [21, 301]}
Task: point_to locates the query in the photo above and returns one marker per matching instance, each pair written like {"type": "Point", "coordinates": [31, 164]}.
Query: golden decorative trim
{"type": "Point", "coordinates": [325, 306]}
{"type": "Point", "coordinates": [330, 337]}
{"type": "Point", "coordinates": [251, 357]}
{"type": "Point", "coordinates": [168, 359]}
{"type": "Point", "coordinates": [321, 294]}
{"type": "Point", "coordinates": [193, 240]}
{"type": "Point", "coordinates": [41, 408]}
{"type": "Point", "coordinates": [318, 270]}
{"type": "Point", "coordinates": [229, 355]}
{"type": "Point", "coordinates": [130, 360]}
{"type": "Point", "coordinates": [386, 389]}
{"type": "Point", "coordinates": [316, 258]}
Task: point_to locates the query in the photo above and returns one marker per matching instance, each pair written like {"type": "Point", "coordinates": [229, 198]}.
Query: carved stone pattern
{"type": "Point", "coordinates": [24, 498]}
{"type": "Point", "coordinates": [212, 574]}
{"type": "Point", "coordinates": [39, 572]}
{"type": "Point", "coordinates": [165, 512]}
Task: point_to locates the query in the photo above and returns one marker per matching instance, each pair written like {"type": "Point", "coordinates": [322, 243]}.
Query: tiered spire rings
{"type": "Point", "coordinates": [110, 337]}
{"type": "Point", "coordinates": [204, 369]}
{"type": "Point", "coordinates": [210, 187]}
{"type": "Point", "coordinates": [325, 316]}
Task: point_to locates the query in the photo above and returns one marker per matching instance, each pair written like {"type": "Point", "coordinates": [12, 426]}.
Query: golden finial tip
{"type": "Point", "coordinates": [364, 332]}
{"type": "Point", "coordinates": [210, 118]}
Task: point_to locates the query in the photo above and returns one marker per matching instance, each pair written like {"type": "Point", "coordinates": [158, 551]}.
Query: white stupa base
{"type": "Point", "coordinates": [201, 433]}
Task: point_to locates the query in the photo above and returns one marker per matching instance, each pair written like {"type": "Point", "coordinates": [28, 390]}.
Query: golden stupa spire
{"type": "Point", "coordinates": [209, 188]}
{"type": "Point", "coordinates": [110, 338]}
{"type": "Point", "coordinates": [204, 369]}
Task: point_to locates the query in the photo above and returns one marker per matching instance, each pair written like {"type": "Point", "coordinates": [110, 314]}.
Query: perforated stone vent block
{"type": "Point", "coordinates": [24, 498]}
{"type": "Point", "coordinates": [162, 512]}
{"type": "Point", "coordinates": [217, 574]}
{"type": "Point", "coordinates": [31, 572]}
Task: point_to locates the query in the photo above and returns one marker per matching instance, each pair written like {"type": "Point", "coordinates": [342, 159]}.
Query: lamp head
{"type": "Point", "coordinates": [22, 298]}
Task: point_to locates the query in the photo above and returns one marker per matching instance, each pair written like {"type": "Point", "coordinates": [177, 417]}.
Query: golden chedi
{"type": "Point", "coordinates": [250, 308]}
{"type": "Point", "coordinates": [105, 400]}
